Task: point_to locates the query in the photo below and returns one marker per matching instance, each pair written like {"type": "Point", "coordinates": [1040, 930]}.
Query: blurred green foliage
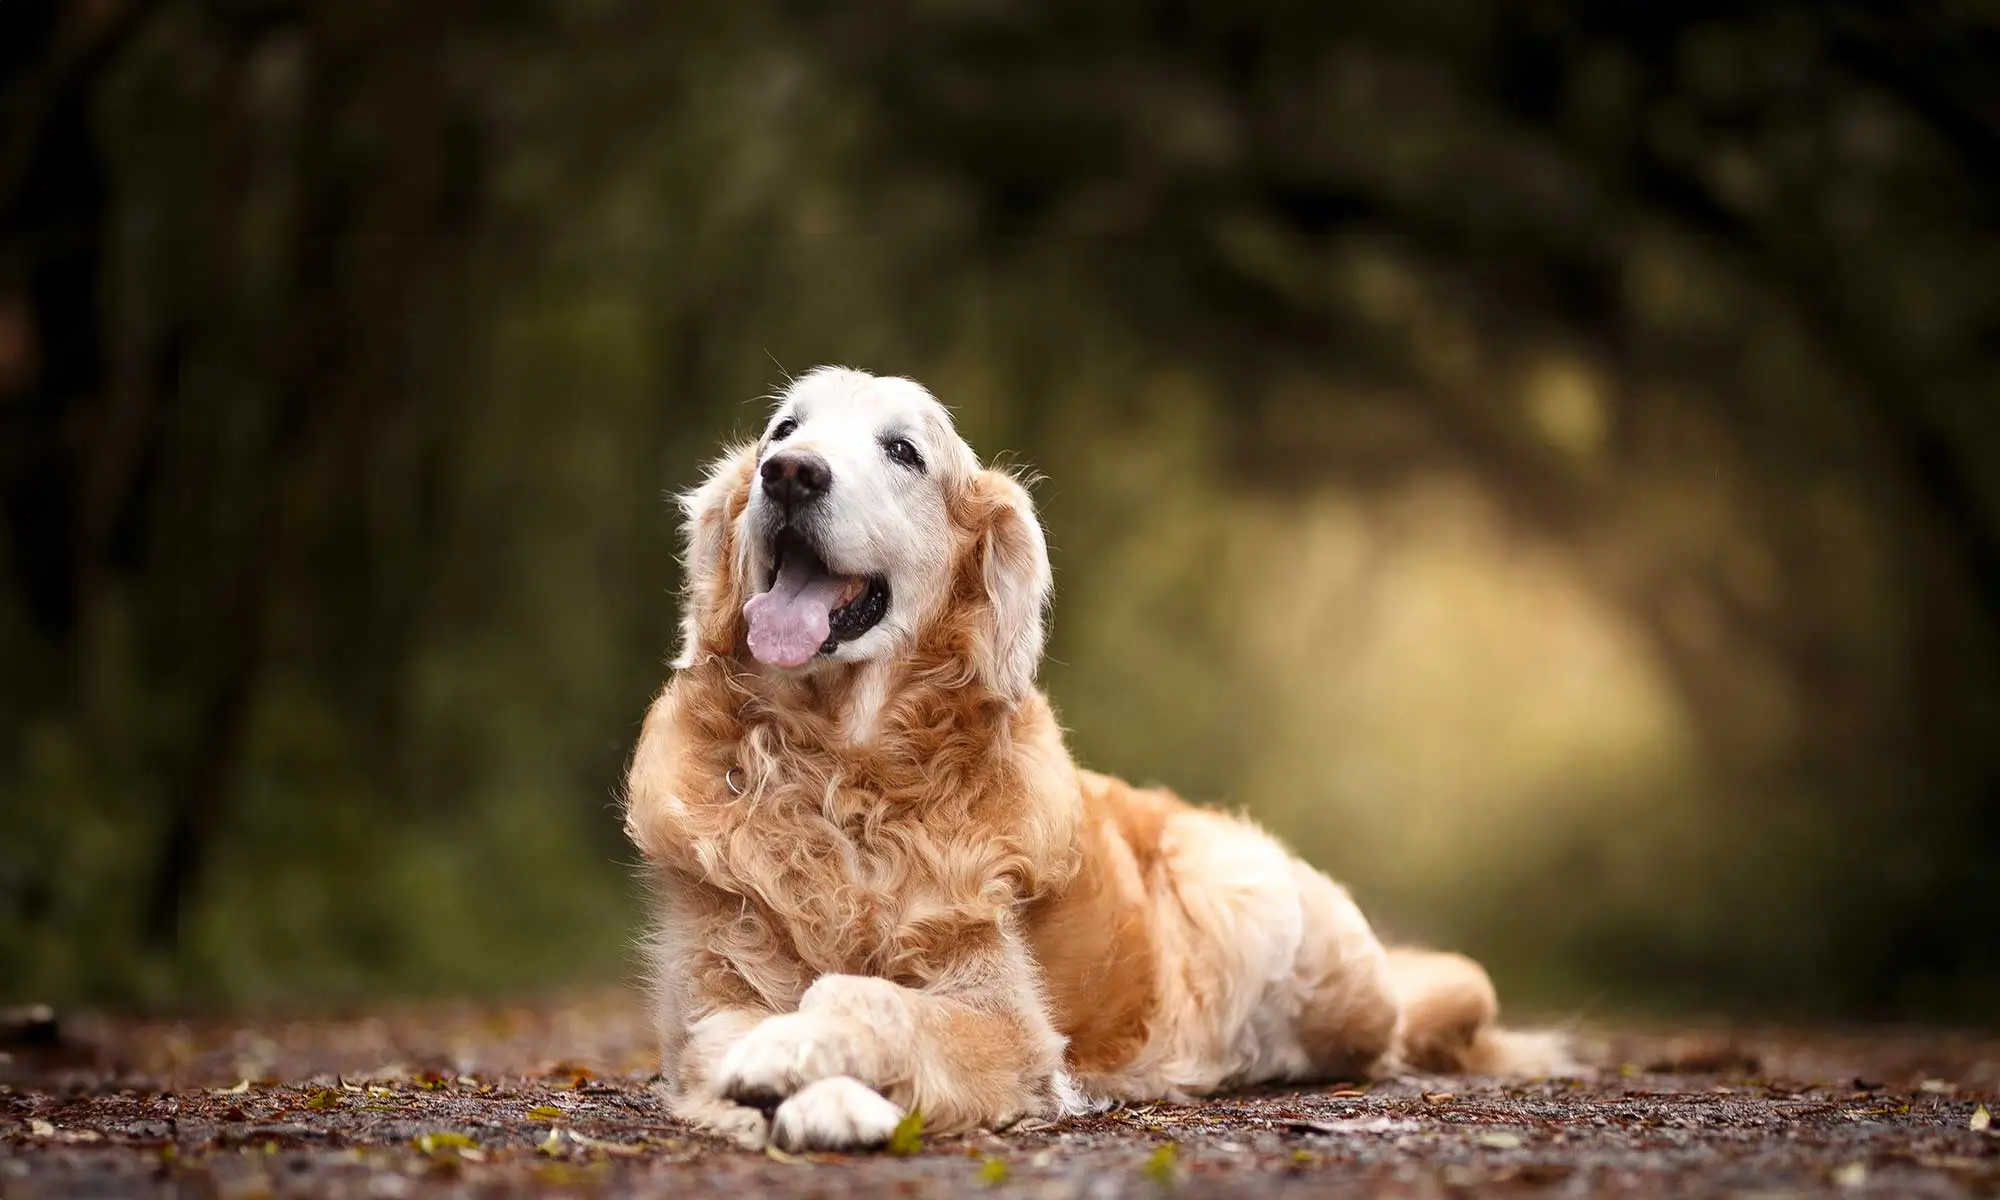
{"type": "Point", "coordinates": [1540, 457]}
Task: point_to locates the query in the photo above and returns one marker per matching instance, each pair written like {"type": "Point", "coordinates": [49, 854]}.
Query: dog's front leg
{"type": "Point", "coordinates": [861, 1052]}
{"type": "Point", "coordinates": [693, 1079]}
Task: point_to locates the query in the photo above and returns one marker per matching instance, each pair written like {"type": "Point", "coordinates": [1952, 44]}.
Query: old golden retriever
{"type": "Point", "coordinates": [882, 884]}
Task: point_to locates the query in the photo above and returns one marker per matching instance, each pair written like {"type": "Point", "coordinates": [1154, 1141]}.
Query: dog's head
{"type": "Point", "coordinates": [858, 528]}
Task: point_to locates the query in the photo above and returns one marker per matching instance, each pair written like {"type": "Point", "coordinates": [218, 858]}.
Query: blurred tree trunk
{"type": "Point", "coordinates": [303, 375]}
{"type": "Point", "coordinates": [74, 440]}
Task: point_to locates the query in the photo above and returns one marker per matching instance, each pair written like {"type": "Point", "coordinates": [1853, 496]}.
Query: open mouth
{"type": "Point", "coordinates": [806, 609]}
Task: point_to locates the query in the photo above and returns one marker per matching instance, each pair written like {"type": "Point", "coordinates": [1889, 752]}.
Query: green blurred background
{"type": "Point", "coordinates": [1542, 458]}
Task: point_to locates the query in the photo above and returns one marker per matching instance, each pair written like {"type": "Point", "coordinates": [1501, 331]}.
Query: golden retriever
{"type": "Point", "coordinates": [882, 884]}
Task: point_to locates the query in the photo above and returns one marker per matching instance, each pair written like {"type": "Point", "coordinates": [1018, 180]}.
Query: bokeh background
{"type": "Point", "coordinates": [1541, 457]}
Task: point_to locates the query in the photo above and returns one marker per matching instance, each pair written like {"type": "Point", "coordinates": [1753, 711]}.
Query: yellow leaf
{"type": "Point", "coordinates": [553, 1143]}
{"type": "Point", "coordinates": [1852, 1175]}
{"type": "Point", "coordinates": [545, 1112]}
{"type": "Point", "coordinates": [1500, 1141]}
{"type": "Point", "coordinates": [1981, 1120]}
{"type": "Point", "coordinates": [908, 1137]}
{"type": "Point", "coordinates": [1163, 1167]}
{"type": "Point", "coordinates": [238, 1090]}
{"type": "Point", "coordinates": [431, 1143]}
{"type": "Point", "coordinates": [777, 1155]}
{"type": "Point", "coordinates": [323, 1100]}
{"type": "Point", "coordinates": [993, 1172]}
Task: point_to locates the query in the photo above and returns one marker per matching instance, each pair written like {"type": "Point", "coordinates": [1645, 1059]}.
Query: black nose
{"type": "Point", "coordinates": [795, 477]}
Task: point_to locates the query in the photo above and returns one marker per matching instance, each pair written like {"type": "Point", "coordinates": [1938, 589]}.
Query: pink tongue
{"type": "Point", "coordinates": [789, 623]}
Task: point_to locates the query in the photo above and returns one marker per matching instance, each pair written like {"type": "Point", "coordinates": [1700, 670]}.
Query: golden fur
{"type": "Point", "coordinates": [885, 885]}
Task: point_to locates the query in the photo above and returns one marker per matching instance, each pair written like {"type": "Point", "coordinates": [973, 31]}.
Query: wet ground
{"type": "Point", "coordinates": [558, 1096]}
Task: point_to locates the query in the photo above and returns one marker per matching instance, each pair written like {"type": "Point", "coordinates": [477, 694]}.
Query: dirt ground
{"type": "Point", "coordinates": [558, 1096]}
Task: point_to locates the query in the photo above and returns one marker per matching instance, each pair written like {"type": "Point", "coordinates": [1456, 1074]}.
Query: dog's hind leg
{"type": "Point", "coordinates": [1348, 1012]}
{"type": "Point", "coordinates": [1447, 1001]}
{"type": "Point", "coordinates": [1448, 1014]}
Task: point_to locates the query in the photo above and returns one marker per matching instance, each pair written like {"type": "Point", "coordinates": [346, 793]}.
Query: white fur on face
{"type": "Point", "coordinates": [879, 517]}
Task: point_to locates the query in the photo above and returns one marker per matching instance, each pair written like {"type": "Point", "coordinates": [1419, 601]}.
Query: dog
{"type": "Point", "coordinates": [880, 883]}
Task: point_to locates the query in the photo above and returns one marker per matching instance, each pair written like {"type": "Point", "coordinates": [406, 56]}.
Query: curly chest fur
{"type": "Point", "coordinates": [840, 878]}
{"type": "Point", "coordinates": [786, 852]}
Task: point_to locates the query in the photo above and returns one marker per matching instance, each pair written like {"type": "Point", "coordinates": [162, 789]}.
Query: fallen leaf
{"type": "Point", "coordinates": [1499, 1141]}
{"type": "Point", "coordinates": [40, 1128]}
{"type": "Point", "coordinates": [323, 1100]}
{"type": "Point", "coordinates": [993, 1172]}
{"type": "Point", "coordinates": [1304, 1126]}
{"type": "Point", "coordinates": [591, 1143]}
{"type": "Point", "coordinates": [908, 1137]}
{"type": "Point", "coordinates": [1437, 1097]}
{"type": "Point", "coordinates": [790, 1160]}
{"type": "Point", "coordinates": [1850, 1175]}
{"type": "Point", "coordinates": [553, 1143]}
{"type": "Point", "coordinates": [567, 1175]}
{"type": "Point", "coordinates": [432, 1143]}
{"type": "Point", "coordinates": [545, 1112]}
{"type": "Point", "coordinates": [1163, 1167]}
{"type": "Point", "coordinates": [1382, 1124]}
{"type": "Point", "coordinates": [238, 1090]}
{"type": "Point", "coordinates": [1981, 1120]}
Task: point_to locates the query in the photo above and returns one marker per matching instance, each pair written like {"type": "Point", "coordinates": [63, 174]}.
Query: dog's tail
{"type": "Point", "coordinates": [1448, 1009]}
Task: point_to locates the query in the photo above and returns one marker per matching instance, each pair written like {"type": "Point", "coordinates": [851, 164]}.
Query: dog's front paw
{"type": "Point", "coordinates": [782, 1055]}
{"type": "Point", "coordinates": [837, 1113]}
{"type": "Point", "coordinates": [747, 1127]}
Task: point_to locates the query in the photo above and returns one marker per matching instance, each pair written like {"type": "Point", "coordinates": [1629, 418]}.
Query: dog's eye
{"type": "Point", "coordinates": [784, 429]}
{"type": "Point", "coordinates": [903, 452]}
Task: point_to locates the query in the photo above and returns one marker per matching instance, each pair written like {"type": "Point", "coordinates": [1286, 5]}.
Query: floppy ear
{"type": "Point", "coordinates": [716, 562]}
{"type": "Point", "coordinates": [1014, 572]}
